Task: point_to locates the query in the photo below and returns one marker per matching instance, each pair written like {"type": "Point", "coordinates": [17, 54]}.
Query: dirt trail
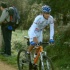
{"type": "Point", "coordinates": [4, 66]}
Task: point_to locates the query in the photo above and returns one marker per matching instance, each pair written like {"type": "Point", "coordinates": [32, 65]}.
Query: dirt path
{"type": "Point", "coordinates": [4, 66]}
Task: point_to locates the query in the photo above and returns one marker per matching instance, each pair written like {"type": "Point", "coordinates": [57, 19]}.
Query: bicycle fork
{"type": "Point", "coordinates": [41, 58]}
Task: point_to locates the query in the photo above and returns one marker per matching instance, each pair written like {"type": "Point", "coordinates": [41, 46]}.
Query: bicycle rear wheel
{"type": "Point", "coordinates": [46, 64]}
{"type": "Point", "coordinates": [22, 61]}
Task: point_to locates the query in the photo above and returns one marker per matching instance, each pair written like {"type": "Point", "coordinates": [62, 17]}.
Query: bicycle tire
{"type": "Point", "coordinates": [21, 61]}
{"type": "Point", "coordinates": [46, 60]}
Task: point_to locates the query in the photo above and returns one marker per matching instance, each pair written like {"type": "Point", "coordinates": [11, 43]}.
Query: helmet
{"type": "Point", "coordinates": [46, 9]}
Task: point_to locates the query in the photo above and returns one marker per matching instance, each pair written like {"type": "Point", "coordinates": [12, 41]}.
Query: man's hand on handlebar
{"type": "Point", "coordinates": [51, 41]}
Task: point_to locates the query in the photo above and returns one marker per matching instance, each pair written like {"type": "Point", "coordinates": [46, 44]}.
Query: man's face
{"type": "Point", "coordinates": [46, 15]}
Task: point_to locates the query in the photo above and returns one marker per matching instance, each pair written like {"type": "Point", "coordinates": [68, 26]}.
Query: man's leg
{"type": "Point", "coordinates": [30, 48]}
{"type": "Point", "coordinates": [4, 36]}
{"type": "Point", "coordinates": [35, 40]}
{"type": "Point", "coordinates": [40, 38]}
{"type": "Point", "coordinates": [8, 42]}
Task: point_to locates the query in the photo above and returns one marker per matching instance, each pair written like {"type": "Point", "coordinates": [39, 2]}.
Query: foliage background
{"type": "Point", "coordinates": [29, 9]}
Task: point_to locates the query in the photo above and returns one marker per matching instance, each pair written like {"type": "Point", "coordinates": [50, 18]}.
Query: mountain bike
{"type": "Point", "coordinates": [26, 61]}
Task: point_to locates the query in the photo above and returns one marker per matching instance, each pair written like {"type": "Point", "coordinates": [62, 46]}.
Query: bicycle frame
{"type": "Point", "coordinates": [40, 53]}
{"type": "Point", "coordinates": [38, 50]}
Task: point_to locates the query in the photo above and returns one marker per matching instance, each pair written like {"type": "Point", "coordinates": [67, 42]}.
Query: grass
{"type": "Point", "coordinates": [59, 55]}
{"type": "Point", "coordinates": [9, 60]}
{"type": "Point", "coordinates": [17, 42]}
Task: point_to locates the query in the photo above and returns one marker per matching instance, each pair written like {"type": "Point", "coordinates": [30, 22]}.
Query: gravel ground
{"type": "Point", "coordinates": [4, 66]}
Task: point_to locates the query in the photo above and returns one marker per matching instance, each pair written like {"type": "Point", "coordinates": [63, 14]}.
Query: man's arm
{"type": "Point", "coordinates": [3, 16]}
{"type": "Point", "coordinates": [51, 30]}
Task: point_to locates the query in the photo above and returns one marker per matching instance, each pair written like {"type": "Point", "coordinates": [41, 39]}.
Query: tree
{"type": "Point", "coordinates": [59, 6]}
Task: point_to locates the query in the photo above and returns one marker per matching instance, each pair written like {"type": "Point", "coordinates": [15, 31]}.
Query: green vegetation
{"type": "Point", "coordinates": [18, 42]}
{"type": "Point", "coordinates": [59, 53]}
{"type": "Point", "coordinates": [29, 9]}
{"type": "Point", "coordinates": [9, 60]}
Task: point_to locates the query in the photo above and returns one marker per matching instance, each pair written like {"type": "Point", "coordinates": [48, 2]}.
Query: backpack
{"type": "Point", "coordinates": [14, 17]}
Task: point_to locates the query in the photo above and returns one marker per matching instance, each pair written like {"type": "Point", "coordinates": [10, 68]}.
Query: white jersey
{"type": "Point", "coordinates": [40, 23]}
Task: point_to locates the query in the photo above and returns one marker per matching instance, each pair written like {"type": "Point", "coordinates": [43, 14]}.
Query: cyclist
{"type": "Point", "coordinates": [36, 30]}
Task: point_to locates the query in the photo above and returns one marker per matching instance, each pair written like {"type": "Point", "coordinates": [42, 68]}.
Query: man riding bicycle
{"type": "Point", "coordinates": [36, 30]}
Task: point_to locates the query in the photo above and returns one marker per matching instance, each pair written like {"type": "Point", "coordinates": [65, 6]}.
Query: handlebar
{"type": "Point", "coordinates": [45, 43]}
{"type": "Point", "coordinates": [42, 43]}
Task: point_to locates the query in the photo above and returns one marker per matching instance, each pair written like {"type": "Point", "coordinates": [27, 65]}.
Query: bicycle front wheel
{"type": "Point", "coordinates": [46, 64]}
{"type": "Point", "coordinates": [22, 62]}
